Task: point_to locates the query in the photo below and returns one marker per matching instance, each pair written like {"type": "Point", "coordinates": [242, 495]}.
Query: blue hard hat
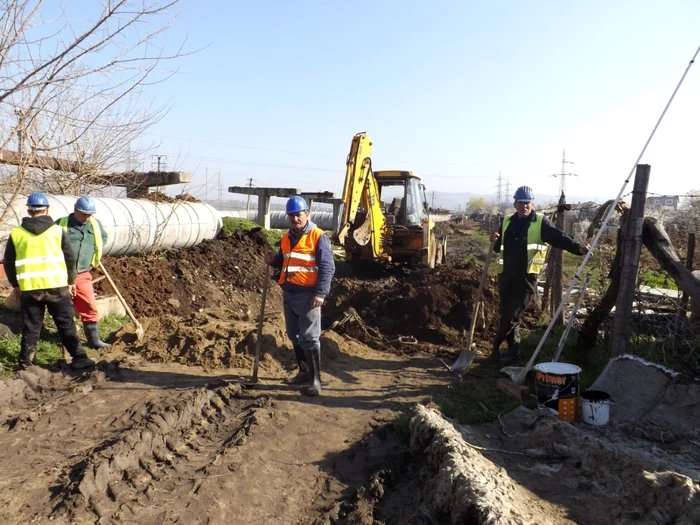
{"type": "Point", "coordinates": [86, 205]}
{"type": "Point", "coordinates": [296, 204]}
{"type": "Point", "coordinates": [37, 201]}
{"type": "Point", "coordinates": [524, 194]}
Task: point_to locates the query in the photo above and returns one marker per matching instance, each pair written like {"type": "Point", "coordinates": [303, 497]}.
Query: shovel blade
{"type": "Point", "coordinates": [463, 362]}
{"type": "Point", "coordinates": [516, 373]}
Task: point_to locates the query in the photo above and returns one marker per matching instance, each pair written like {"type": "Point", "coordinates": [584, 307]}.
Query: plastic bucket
{"type": "Point", "coordinates": [595, 407]}
{"type": "Point", "coordinates": [557, 389]}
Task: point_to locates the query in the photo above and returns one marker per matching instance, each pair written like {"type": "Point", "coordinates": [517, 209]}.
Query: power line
{"type": "Point", "coordinates": [292, 152]}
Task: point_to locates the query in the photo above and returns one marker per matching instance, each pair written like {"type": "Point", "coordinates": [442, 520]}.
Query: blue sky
{"type": "Point", "coordinates": [455, 91]}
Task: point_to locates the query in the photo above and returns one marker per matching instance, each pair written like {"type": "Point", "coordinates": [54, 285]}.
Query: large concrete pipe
{"type": "Point", "coordinates": [133, 225]}
{"type": "Point", "coordinates": [278, 219]}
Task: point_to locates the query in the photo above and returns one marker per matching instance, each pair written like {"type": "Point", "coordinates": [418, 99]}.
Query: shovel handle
{"type": "Point", "coordinates": [119, 296]}
{"type": "Point", "coordinates": [261, 319]}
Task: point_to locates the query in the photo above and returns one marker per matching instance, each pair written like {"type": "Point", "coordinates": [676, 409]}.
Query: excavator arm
{"type": "Point", "coordinates": [362, 213]}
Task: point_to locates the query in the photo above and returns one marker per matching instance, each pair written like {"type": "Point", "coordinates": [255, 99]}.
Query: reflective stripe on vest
{"type": "Point", "coordinates": [39, 262]}
{"type": "Point", "coordinates": [299, 264]}
{"type": "Point", "coordinates": [536, 248]}
{"type": "Point", "coordinates": [96, 233]}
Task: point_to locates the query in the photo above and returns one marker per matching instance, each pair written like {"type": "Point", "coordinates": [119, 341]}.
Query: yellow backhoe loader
{"type": "Point", "coordinates": [373, 226]}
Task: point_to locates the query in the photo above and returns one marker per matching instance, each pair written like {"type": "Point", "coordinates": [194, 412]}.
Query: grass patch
{"type": "Point", "coordinates": [109, 324]}
{"type": "Point", "coordinates": [461, 402]}
{"type": "Point", "coordinates": [232, 224]}
{"type": "Point", "coordinates": [47, 353]}
{"type": "Point", "coordinates": [49, 349]}
{"type": "Point", "coordinates": [657, 279]}
{"type": "Point", "coordinates": [401, 424]}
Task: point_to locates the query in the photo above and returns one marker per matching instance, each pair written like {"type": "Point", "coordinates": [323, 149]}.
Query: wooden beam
{"type": "Point", "coordinates": [658, 243]}
{"type": "Point", "coordinates": [40, 161]}
{"type": "Point", "coordinates": [682, 313]}
{"type": "Point", "coordinates": [631, 249]}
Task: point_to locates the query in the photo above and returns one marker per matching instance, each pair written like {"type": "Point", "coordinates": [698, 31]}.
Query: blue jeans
{"type": "Point", "coordinates": [303, 323]}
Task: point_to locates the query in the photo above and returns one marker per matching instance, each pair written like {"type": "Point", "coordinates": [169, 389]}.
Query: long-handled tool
{"type": "Point", "coordinates": [261, 320]}
{"type": "Point", "coordinates": [467, 356]}
{"type": "Point", "coordinates": [139, 328]}
{"type": "Point", "coordinates": [572, 316]}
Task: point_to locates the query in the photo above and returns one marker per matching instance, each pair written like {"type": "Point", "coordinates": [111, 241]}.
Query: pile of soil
{"type": "Point", "coordinates": [433, 306]}
{"type": "Point", "coordinates": [224, 272]}
{"type": "Point", "coordinates": [213, 339]}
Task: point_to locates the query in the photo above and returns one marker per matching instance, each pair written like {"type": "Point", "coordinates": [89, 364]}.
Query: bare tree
{"type": "Point", "coordinates": [74, 87]}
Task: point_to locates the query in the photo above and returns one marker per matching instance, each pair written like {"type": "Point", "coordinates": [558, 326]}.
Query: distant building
{"type": "Point", "coordinates": [663, 201]}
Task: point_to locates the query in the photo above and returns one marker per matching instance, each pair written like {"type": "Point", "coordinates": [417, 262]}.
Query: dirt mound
{"type": "Point", "coordinates": [227, 271]}
{"type": "Point", "coordinates": [213, 339]}
{"type": "Point", "coordinates": [431, 306]}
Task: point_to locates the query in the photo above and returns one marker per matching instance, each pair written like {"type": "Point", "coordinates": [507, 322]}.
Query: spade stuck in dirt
{"type": "Point", "coordinates": [465, 359]}
{"type": "Point", "coordinates": [261, 320]}
{"type": "Point", "coordinates": [139, 327]}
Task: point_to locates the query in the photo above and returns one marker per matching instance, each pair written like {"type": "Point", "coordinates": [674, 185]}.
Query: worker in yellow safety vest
{"type": "Point", "coordinates": [307, 267]}
{"type": "Point", "coordinates": [87, 237]}
{"type": "Point", "coordinates": [39, 261]}
{"type": "Point", "coordinates": [523, 238]}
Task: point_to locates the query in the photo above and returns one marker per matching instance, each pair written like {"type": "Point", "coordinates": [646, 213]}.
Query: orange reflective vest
{"type": "Point", "coordinates": [299, 264]}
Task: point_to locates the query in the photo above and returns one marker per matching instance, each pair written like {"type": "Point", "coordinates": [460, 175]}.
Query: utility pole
{"type": "Point", "coordinates": [433, 201]}
{"type": "Point", "coordinates": [247, 206]}
{"type": "Point", "coordinates": [499, 190]}
{"type": "Point", "coordinates": [220, 196]}
{"type": "Point", "coordinates": [563, 174]}
{"type": "Point", "coordinates": [160, 161]}
{"type": "Point", "coordinates": [508, 195]}
{"type": "Point", "coordinates": [206, 184]}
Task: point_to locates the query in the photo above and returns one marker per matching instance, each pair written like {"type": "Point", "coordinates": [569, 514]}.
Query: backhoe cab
{"type": "Point", "coordinates": [384, 214]}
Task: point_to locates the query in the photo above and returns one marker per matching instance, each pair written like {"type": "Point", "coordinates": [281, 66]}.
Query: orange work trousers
{"type": "Point", "coordinates": [84, 301]}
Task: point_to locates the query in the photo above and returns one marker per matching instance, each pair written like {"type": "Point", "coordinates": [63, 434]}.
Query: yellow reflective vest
{"type": "Point", "coordinates": [39, 262]}
{"type": "Point", "coordinates": [536, 248]}
{"type": "Point", "coordinates": [97, 233]}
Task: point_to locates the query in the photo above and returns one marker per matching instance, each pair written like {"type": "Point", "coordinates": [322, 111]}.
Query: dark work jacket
{"type": "Point", "coordinates": [83, 241]}
{"type": "Point", "coordinates": [324, 260]}
{"type": "Point", "coordinates": [515, 242]}
{"type": "Point", "coordinates": [38, 225]}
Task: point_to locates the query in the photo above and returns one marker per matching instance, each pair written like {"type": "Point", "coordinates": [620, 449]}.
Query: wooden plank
{"type": "Point", "coordinates": [631, 249]}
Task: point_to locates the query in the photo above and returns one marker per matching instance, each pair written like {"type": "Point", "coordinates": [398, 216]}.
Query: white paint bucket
{"type": "Point", "coordinates": [595, 407]}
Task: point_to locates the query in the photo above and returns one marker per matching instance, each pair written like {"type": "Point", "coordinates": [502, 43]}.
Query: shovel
{"type": "Point", "coordinates": [467, 356]}
{"type": "Point", "coordinates": [261, 319]}
{"type": "Point", "coordinates": [139, 328]}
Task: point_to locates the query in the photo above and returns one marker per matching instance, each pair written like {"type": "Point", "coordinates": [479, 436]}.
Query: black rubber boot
{"type": "Point", "coordinates": [80, 362]}
{"type": "Point", "coordinates": [303, 373]}
{"type": "Point", "coordinates": [513, 353]}
{"type": "Point", "coordinates": [496, 353]}
{"type": "Point", "coordinates": [92, 335]}
{"type": "Point", "coordinates": [313, 357]}
{"type": "Point", "coordinates": [26, 357]}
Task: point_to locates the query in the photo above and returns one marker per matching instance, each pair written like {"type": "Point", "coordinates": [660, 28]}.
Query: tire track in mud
{"type": "Point", "coordinates": [152, 469]}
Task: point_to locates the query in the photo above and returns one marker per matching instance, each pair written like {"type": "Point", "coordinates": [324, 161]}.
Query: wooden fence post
{"type": "Point", "coordinates": [631, 249]}
{"type": "Point", "coordinates": [681, 316]}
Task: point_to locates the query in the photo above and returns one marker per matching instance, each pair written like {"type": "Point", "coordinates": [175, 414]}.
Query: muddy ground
{"type": "Point", "coordinates": [169, 429]}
